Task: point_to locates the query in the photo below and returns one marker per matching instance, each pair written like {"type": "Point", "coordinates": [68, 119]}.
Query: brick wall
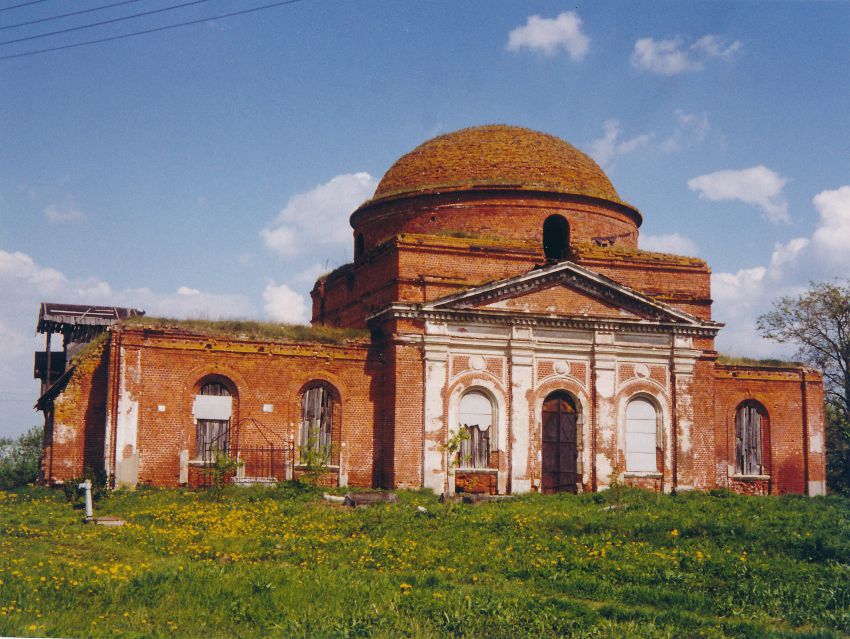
{"type": "Point", "coordinates": [159, 373]}
{"type": "Point", "coordinates": [516, 216]}
{"type": "Point", "coordinates": [681, 282]}
{"type": "Point", "coordinates": [405, 425]}
{"type": "Point", "coordinates": [780, 392]}
{"type": "Point", "coordinates": [74, 429]}
{"type": "Point", "coordinates": [415, 267]}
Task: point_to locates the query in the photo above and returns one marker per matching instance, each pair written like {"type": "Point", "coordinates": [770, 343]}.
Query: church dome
{"type": "Point", "coordinates": [496, 156]}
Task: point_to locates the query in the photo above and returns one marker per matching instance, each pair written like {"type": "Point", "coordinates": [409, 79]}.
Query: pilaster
{"type": "Point", "coordinates": [435, 467]}
{"type": "Point", "coordinates": [520, 361]}
{"type": "Point", "coordinates": [604, 380]}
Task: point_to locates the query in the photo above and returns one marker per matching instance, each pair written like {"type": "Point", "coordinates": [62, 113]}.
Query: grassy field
{"type": "Point", "coordinates": [281, 562]}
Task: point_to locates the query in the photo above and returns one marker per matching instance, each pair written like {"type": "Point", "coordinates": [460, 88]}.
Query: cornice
{"type": "Point", "coordinates": [509, 318]}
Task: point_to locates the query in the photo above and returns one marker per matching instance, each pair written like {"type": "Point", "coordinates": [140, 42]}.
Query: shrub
{"type": "Point", "coordinates": [314, 457]}
{"type": "Point", "coordinates": [20, 459]}
{"type": "Point", "coordinates": [220, 471]}
{"type": "Point", "coordinates": [99, 485]}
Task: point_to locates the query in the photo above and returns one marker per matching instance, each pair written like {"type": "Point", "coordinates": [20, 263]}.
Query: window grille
{"type": "Point", "coordinates": [212, 435]}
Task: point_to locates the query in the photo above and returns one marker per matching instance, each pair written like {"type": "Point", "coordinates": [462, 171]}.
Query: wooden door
{"type": "Point", "coordinates": [559, 444]}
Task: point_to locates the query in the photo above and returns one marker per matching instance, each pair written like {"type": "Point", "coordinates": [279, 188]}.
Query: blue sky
{"type": "Point", "coordinates": [209, 170]}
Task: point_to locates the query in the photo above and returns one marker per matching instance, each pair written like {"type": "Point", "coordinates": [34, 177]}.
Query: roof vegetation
{"type": "Point", "coordinates": [252, 330]}
{"type": "Point", "coordinates": [93, 348]}
{"type": "Point", "coordinates": [730, 360]}
{"type": "Point", "coordinates": [499, 156]}
{"type": "Point", "coordinates": [587, 250]}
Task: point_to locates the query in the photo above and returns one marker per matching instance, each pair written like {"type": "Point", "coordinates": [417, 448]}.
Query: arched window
{"type": "Point", "coordinates": [212, 409]}
{"type": "Point", "coordinates": [556, 238]}
{"type": "Point", "coordinates": [749, 419]}
{"type": "Point", "coordinates": [358, 246]}
{"type": "Point", "coordinates": [317, 415]}
{"type": "Point", "coordinates": [476, 416]}
{"type": "Point", "coordinates": [642, 436]}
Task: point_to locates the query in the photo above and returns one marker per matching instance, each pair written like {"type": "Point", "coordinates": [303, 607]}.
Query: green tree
{"type": "Point", "coordinates": [451, 449]}
{"type": "Point", "coordinates": [817, 322]}
{"type": "Point", "coordinates": [20, 458]}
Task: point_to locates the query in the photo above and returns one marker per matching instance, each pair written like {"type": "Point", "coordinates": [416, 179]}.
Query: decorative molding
{"type": "Point", "coordinates": [580, 279]}
{"type": "Point", "coordinates": [548, 369]}
{"type": "Point", "coordinates": [512, 318]}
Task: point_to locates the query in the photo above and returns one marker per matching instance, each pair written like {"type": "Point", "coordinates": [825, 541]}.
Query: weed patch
{"type": "Point", "coordinates": [282, 562]}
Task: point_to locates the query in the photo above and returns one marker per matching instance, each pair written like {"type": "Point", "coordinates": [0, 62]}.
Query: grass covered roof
{"type": "Point", "coordinates": [251, 330]}
{"type": "Point", "coordinates": [497, 156]}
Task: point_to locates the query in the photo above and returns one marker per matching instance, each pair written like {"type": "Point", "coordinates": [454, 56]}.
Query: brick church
{"type": "Point", "coordinates": [497, 290]}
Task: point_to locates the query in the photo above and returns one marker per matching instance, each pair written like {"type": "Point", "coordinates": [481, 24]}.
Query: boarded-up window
{"type": "Point", "coordinates": [317, 421]}
{"type": "Point", "coordinates": [212, 409]}
{"type": "Point", "coordinates": [748, 423]}
{"type": "Point", "coordinates": [641, 436]}
{"type": "Point", "coordinates": [476, 416]}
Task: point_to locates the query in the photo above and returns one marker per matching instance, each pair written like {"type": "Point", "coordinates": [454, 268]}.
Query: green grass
{"type": "Point", "coordinates": [249, 329]}
{"type": "Point", "coordinates": [281, 562]}
{"type": "Point", "coordinates": [732, 360]}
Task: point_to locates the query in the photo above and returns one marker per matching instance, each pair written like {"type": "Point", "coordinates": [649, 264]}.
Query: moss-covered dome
{"type": "Point", "coordinates": [496, 156]}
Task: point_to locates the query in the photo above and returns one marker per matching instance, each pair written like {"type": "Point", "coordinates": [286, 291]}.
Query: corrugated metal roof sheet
{"type": "Point", "coordinates": [80, 322]}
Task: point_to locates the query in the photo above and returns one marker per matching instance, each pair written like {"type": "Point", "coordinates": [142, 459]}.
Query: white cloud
{"type": "Point", "coordinates": [610, 146]}
{"type": "Point", "coordinates": [787, 253]}
{"type": "Point", "coordinates": [834, 233]}
{"type": "Point", "coordinates": [19, 269]}
{"type": "Point", "coordinates": [185, 290]}
{"type": "Point", "coordinates": [757, 185]}
{"type": "Point", "coordinates": [285, 305]}
{"type": "Point", "coordinates": [284, 240]}
{"type": "Point", "coordinates": [713, 46]}
{"type": "Point", "coordinates": [64, 211]}
{"type": "Point", "coordinates": [740, 297]}
{"type": "Point", "coordinates": [665, 57]}
{"type": "Point", "coordinates": [23, 284]}
{"type": "Point", "coordinates": [674, 56]}
{"type": "Point", "coordinates": [548, 35]}
{"type": "Point", "coordinates": [690, 128]}
{"type": "Point", "coordinates": [197, 305]}
{"type": "Point", "coordinates": [319, 217]}
{"type": "Point", "coordinates": [91, 290]}
{"type": "Point", "coordinates": [669, 243]}
{"type": "Point", "coordinates": [308, 276]}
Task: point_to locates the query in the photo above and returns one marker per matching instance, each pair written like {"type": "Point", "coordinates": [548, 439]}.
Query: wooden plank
{"type": "Point", "coordinates": [368, 498]}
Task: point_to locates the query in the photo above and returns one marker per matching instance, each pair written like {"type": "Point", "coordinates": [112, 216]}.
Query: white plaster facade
{"type": "Point", "coordinates": [518, 361]}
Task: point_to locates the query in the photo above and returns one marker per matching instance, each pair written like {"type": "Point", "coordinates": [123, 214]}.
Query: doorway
{"type": "Point", "coordinates": [559, 444]}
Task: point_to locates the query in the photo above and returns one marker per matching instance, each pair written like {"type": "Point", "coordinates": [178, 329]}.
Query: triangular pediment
{"type": "Point", "coordinates": [555, 298]}
{"type": "Point", "coordinates": [563, 290]}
